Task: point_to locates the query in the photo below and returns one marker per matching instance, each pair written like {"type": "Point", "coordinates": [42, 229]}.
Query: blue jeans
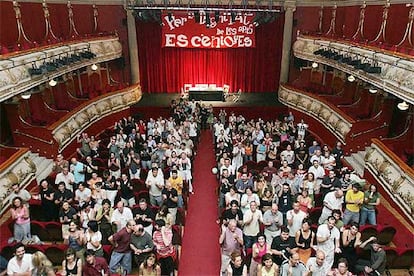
{"type": "Point", "coordinates": [249, 241]}
{"type": "Point", "coordinates": [368, 215]}
{"type": "Point", "coordinates": [122, 260]}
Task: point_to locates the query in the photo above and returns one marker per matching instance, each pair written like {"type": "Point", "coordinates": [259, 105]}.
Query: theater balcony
{"type": "Point", "coordinates": [22, 71]}
{"type": "Point", "coordinates": [386, 70]}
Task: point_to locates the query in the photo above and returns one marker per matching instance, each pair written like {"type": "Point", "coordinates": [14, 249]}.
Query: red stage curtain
{"type": "Point", "coordinates": [250, 69]}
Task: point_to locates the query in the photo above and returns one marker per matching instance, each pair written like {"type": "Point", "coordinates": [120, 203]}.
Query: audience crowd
{"type": "Point", "coordinates": [127, 190]}
{"type": "Point", "coordinates": [120, 199]}
{"type": "Point", "coordinates": [287, 205]}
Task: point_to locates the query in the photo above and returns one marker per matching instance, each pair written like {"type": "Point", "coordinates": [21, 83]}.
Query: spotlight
{"type": "Point", "coordinates": [373, 90]}
{"type": "Point", "coordinates": [52, 82]}
{"type": "Point", "coordinates": [403, 106]}
{"type": "Point", "coordinates": [315, 65]}
{"type": "Point", "coordinates": [318, 52]}
{"type": "Point", "coordinates": [25, 95]}
{"type": "Point", "coordinates": [94, 67]}
{"type": "Point", "coordinates": [351, 78]}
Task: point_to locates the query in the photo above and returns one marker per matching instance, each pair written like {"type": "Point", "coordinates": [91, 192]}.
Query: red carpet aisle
{"type": "Point", "coordinates": [200, 248]}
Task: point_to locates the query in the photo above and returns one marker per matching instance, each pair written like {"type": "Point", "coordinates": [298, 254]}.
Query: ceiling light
{"type": "Point", "coordinates": [314, 65]}
{"type": "Point", "coordinates": [373, 90]}
{"type": "Point", "coordinates": [25, 96]}
{"type": "Point", "coordinates": [52, 82]}
{"type": "Point", "coordinates": [351, 78]}
{"type": "Point", "coordinates": [403, 106]}
{"type": "Point", "coordinates": [94, 67]}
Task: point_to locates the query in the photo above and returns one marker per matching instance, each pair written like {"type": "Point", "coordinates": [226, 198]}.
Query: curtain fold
{"type": "Point", "coordinates": [166, 70]}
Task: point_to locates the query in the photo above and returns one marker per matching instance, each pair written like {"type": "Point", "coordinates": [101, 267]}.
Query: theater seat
{"type": "Point", "coordinates": [386, 234]}
{"type": "Point", "coordinates": [368, 231]}
{"type": "Point", "coordinates": [55, 231]}
{"type": "Point", "coordinates": [55, 254]}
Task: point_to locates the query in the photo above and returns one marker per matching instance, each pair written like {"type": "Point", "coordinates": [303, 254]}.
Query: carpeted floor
{"type": "Point", "coordinates": [200, 248]}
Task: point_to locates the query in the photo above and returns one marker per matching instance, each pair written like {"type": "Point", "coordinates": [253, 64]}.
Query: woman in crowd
{"type": "Point", "coordinates": [114, 165]}
{"type": "Point", "coordinates": [48, 205]}
{"type": "Point", "coordinates": [71, 265]}
{"type": "Point", "coordinates": [259, 249]}
{"type": "Point", "coordinates": [304, 240]}
{"type": "Point", "coordinates": [248, 197]}
{"type": "Point", "coordinates": [98, 195]}
{"type": "Point", "coordinates": [371, 201]}
{"type": "Point", "coordinates": [150, 266]}
{"type": "Point", "coordinates": [305, 201]}
{"type": "Point", "coordinates": [266, 200]}
{"type": "Point", "coordinates": [351, 239]}
{"type": "Point", "coordinates": [232, 195]}
{"type": "Point", "coordinates": [86, 214]}
{"type": "Point", "coordinates": [310, 184]}
{"type": "Point", "coordinates": [236, 266]}
{"type": "Point", "coordinates": [165, 250]}
{"type": "Point", "coordinates": [103, 217]}
{"type": "Point", "coordinates": [267, 267]}
{"type": "Point", "coordinates": [20, 215]}
{"type": "Point", "coordinates": [93, 238]}
{"type": "Point", "coordinates": [164, 214]}
{"type": "Point", "coordinates": [342, 269]}
{"type": "Point", "coordinates": [75, 239]}
{"type": "Point", "coordinates": [41, 265]}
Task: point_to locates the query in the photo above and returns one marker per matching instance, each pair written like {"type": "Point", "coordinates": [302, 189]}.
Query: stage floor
{"type": "Point", "coordinates": [246, 99]}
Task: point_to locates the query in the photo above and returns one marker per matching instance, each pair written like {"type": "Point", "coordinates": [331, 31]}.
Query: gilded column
{"type": "Point", "coordinates": [133, 47]}
{"type": "Point", "coordinates": [287, 40]}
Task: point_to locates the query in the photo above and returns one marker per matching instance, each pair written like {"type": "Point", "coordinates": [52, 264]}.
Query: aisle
{"type": "Point", "coordinates": [200, 248]}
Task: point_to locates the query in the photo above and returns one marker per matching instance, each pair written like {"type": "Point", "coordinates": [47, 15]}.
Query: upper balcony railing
{"type": "Point", "coordinates": [396, 177]}
{"type": "Point", "coordinates": [393, 73]}
{"type": "Point", "coordinates": [22, 71]}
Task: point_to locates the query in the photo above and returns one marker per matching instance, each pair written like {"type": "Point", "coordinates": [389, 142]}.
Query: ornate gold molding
{"type": "Point", "coordinates": [76, 121]}
{"type": "Point", "coordinates": [397, 182]}
{"type": "Point", "coordinates": [396, 74]}
{"type": "Point", "coordinates": [338, 123]}
{"type": "Point", "coordinates": [14, 69]}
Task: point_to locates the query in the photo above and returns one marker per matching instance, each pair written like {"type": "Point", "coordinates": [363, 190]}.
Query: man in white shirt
{"type": "Point", "coordinates": [294, 219]}
{"type": "Point", "coordinates": [121, 215]}
{"type": "Point", "coordinates": [332, 201]}
{"type": "Point", "coordinates": [315, 265]}
{"type": "Point", "coordinates": [67, 177]}
{"type": "Point", "coordinates": [327, 237]}
{"type": "Point", "coordinates": [318, 172]}
{"type": "Point", "coordinates": [83, 195]}
{"type": "Point", "coordinates": [251, 219]}
{"type": "Point", "coordinates": [155, 183]}
{"type": "Point", "coordinates": [21, 263]}
{"type": "Point", "coordinates": [288, 155]}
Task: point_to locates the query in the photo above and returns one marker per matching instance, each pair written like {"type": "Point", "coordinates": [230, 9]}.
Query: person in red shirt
{"type": "Point", "coordinates": [94, 266]}
{"type": "Point", "coordinates": [121, 255]}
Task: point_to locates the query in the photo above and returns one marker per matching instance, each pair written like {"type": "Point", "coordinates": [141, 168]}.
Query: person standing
{"type": "Point", "coordinates": [327, 237]}
{"type": "Point", "coordinates": [155, 183]}
{"type": "Point", "coordinates": [252, 219]}
{"type": "Point", "coordinates": [272, 220]}
{"type": "Point", "coordinates": [121, 254]}
{"type": "Point", "coordinates": [354, 199]}
{"type": "Point", "coordinates": [371, 201]}
{"type": "Point", "coordinates": [293, 266]}
{"type": "Point", "coordinates": [20, 215]}
{"type": "Point", "coordinates": [231, 240]}
{"type": "Point", "coordinates": [315, 265]}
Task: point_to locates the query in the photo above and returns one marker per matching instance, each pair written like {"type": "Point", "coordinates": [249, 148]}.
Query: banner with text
{"type": "Point", "coordinates": [208, 30]}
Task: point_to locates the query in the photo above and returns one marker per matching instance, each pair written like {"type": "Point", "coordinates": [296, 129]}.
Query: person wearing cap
{"type": "Point", "coordinates": [94, 266]}
{"type": "Point", "coordinates": [354, 199]}
{"type": "Point", "coordinates": [376, 265]}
